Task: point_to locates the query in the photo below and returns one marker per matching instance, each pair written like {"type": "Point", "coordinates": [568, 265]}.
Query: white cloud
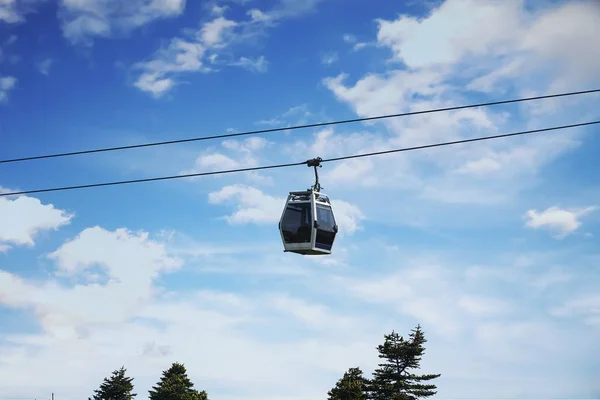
{"type": "Point", "coordinates": [422, 290]}
{"type": "Point", "coordinates": [11, 39]}
{"type": "Point", "coordinates": [361, 45]}
{"type": "Point", "coordinates": [526, 41]}
{"type": "Point", "coordinates": [129, 268]}
{"type": "Point", "coordinates": [219, 10]}
{"type": "Point", "coordinates": [297, 115]}
{"type": "Point", "coordinates": [316, 316]}
{"type": "Point", "coordinates": [441, 61]}
{"type": "Point", "coordinates": [7, 190]}
{"type": "Point", "coordinates": [84, 20]}
{"type": "Point", "coordinates": [188, 55]}
{"type": "Point", "coordinates": [329, 58]}
{"type": "Point", "coordinates": [292, 8]}
{"type": "Point", "coordinates": [550, 278]}
{"type": "Point", "coordinates": [348, 216]}
{"type": "Point", "coordinates": [44, 66]}
{"type": "Point", "coordinates": [257, 65]}
{"type": "Point", "coordinates": [7, 83]}
{"type": "Point", "coordinates": [14, 11]}
{"type": "Point", "coordinates": [160, 74]}
{"type": "Point", "coordinates": [212, 33]}
{"type": "Point", "coordinates": [349, 38]}
{"type": "Point", "coordinates": [482, 306]}
{"type": "Point", "coordinates": [246, 153]}
{"type": "Point", "coordinates": [252, 144]}
{"type": "Point", "coordinates": [8, 12]}
{"type": "Point", "coordinates": [131, 320]}
{"type": "Point", "coordinates": [560, 221]}
{"type": "Point", "coordinates": [585, 305]}
{"type": "Point", "coordinates": [446, 36]}
{"type": "Point", "coordinates": [148, 348]}
{"type": "Point", "coordinates": [258, 16]}
{"type": "Point", "coordinates": [25, 217]}
{"type": "Point", "coordinates": [180, 56]}
{"type": "Point", "coordinates": [218, 161]}
{"type": "Point", "coordinates": [128, 319]}
{"type": "Point", "coordinates": [255, 206]}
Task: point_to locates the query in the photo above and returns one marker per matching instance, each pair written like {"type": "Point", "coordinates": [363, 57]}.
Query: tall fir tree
{"type": "Point", "coordinates": [350, 387]}
{"type": "Point", "coordinates": [117, 387]}
{"type": "Point", "coordinates": [175, 385]}
{"type": "Point", "coordinates": [393, 379]}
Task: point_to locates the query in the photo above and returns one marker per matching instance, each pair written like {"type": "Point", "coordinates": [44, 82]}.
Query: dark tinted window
{"type": "Point", "coordinates": [296, 225]}
{"type": "Point", "coordinates": [325, 234]}
{"type": "Point", "coordinates": [325, 218]}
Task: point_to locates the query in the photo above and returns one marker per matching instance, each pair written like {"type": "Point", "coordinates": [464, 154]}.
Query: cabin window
{"type": "Point", "coordinates": [296, 225]}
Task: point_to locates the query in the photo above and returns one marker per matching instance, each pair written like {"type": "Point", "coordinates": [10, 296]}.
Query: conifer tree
{"type": "Point", "coordinates": [350, 387]}
{"type": "Point", "coordinates": [175, 385]}
{"type": "Point", "coordinates": [117, 387]}
{"type": "Point", "coordinates": [393, 379]}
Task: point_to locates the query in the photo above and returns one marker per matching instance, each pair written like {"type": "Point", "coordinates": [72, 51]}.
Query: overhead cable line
{"type": "Point", "coordinates": [376, 153]}
{"type": "Point", "coordinates": [315, 125]}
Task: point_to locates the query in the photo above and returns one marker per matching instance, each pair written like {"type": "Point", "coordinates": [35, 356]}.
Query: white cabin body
{"type": "Point", "coordinates": [307, 225]}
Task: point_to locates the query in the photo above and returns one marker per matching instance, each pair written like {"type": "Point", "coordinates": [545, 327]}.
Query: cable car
{"type": "Point", "coordinates": [307, 225]}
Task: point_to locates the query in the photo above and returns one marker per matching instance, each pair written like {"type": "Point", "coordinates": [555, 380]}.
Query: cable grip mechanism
{"type": "Point", "coordinates": [315, 163]}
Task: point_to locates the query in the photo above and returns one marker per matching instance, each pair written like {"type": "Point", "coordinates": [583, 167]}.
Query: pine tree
{"type": "Point", "coordinates": [175, 385]}
{"type": "Point", "coordinates": [350, 387]}
{"type": "Point", "coordinates": [117, 387]}
{"type": "Point", "coordinates": [393, 379]}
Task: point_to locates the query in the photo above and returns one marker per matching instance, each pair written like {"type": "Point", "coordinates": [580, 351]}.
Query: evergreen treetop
{"type": "Point", "coordinates": [117, 387]}
{"type": "Point", "coordinates": [393, 380]}
{"type": "Point", "coordinates": [175, 385]}
{"type": "Point", "coordinates": [350, 387]}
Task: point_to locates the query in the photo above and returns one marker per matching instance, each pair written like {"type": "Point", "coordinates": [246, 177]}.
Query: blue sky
{"type": "Point", "coordinates": [491, 246]}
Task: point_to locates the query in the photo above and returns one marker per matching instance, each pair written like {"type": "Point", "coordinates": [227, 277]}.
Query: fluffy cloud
{"type": "Point", "coordinates": [296, 324]}
{"type": "Point", "coordinates": [180, 56]}
{"type": "Point", "coordinates": [446, 36]}
{"type": "Point", "coordinates": [248, 146]}
{"type": "Point", "coordinates": [184, 55]}
{"type": "Point", "coordinates": [44, 66]}
{"type": "Point", "coordinates": [148, 348]}
{"type": "Point", "coordinates": [122, 315]}
{"type": "Point", "coordinates": [300, 115]}
{"type": "Point", "coordinates": [25, 217]}
{"type": "Point", "coordinates": [7, 83]}
{"type": "Point", "coordinates": [109, 285]}
{"type": "Point", "coordinates": [160, 73]}
{"type": "Point", "coordinates": [14, 11]}
{"type": "Point", "coordinates": [559, 221]}
{"type": "Point", "coordinates": [8, 12]}
{"type": "Point", "coordinates": [213, 32]}
{"type": "Point", "coordinates": [245, 153]}
{"type": "Point", "coordinates": [525, 37]}
{"type": "Point", "coordinates": [255, 206]}
{"type": "Point", "coordinates": [286, 9]}
{"type": "Point", "coordinates": [439, 60]}
{"type": "Point", "coordinates": [83, 20]}
{"type": "Point", "coordinates": [259, 64]}
{"type": "Point", "coordinates": [329, 58]}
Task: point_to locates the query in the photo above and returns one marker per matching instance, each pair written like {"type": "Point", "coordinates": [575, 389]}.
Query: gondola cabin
{"type": "Point", "coordinates": [307, 224]}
